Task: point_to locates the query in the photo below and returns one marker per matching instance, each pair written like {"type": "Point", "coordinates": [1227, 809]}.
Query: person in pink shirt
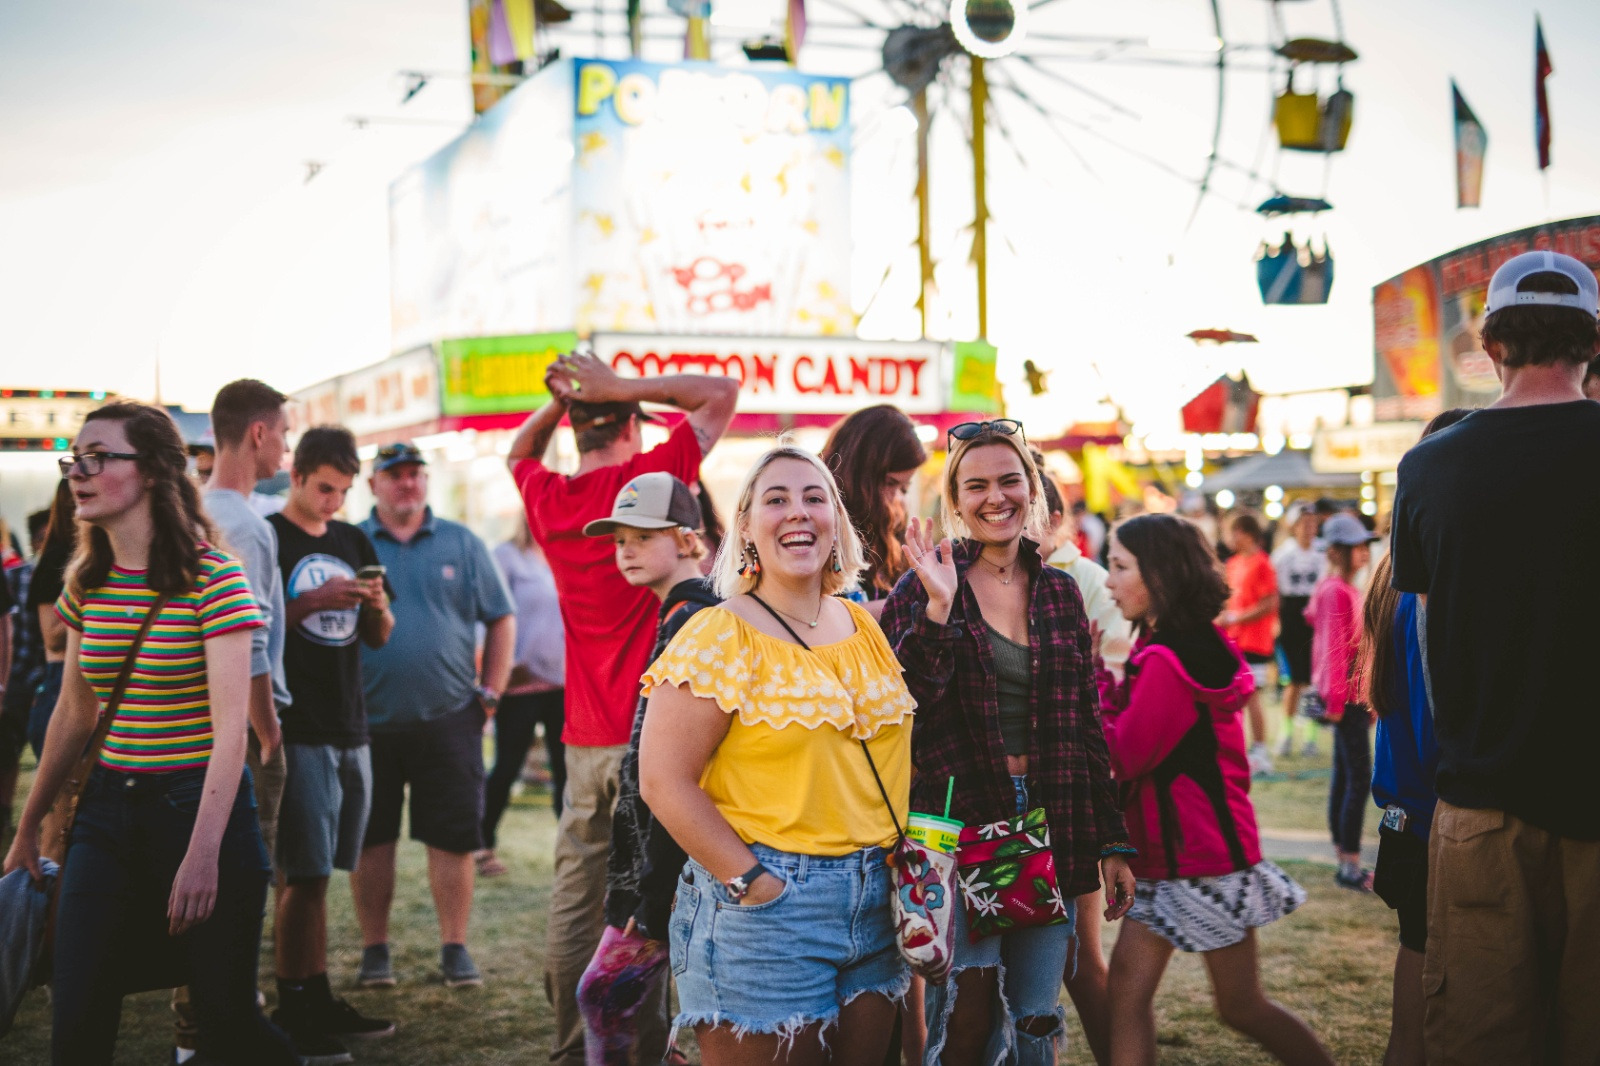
{"type": "Point", "coordinates": [1335, 615]}
{"type": "Point", "coordinates": [1177, 744]}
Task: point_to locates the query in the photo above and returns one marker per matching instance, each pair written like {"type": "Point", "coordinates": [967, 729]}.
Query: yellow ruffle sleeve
{"type": "Point", "coordinates": [854, 685]}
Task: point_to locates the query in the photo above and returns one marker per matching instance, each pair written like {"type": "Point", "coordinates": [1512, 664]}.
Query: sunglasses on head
{"type": "Point", "coordinates": [395, 451]}
{"type": "Point", "coordinates": [967, 430]}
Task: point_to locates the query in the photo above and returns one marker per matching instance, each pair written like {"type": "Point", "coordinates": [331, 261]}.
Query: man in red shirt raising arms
{"type": "Point", "coordinates": [610, 629]}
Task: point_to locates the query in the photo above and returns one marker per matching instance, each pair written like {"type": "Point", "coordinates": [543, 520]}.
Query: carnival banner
{"type": "Point", "coordinates": [494, 375]}
{"type": "Point", "coordinates": [1427, 356]}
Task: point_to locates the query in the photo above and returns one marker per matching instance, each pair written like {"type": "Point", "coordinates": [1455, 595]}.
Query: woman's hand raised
{"type": "Point", "coordinates": [935, 565]}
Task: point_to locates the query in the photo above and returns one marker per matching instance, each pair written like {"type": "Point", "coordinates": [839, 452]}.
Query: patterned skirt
{"type": "Point", "coordinates": [1207, 913]}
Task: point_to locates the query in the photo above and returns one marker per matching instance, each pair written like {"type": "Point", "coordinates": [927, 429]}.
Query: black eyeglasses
{"type": "Point", "coordinates": [967, 430]}
{"type": "Point", "coordinates": [91, 462]}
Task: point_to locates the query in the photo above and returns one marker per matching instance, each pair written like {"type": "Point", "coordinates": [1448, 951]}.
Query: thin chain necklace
{"type": "Point", "coordinates": [797, 618]}
{"type": "Point", "coordinates": [999, 571]}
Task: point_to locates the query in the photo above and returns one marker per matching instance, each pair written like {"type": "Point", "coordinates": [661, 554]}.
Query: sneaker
{"type": "Point", "coordinates": [334, 1017]}
{"type": "Point", "coordinates": [459, 969]}
{"type": "Point", "coordinates": [341, 1019]}
{"type": "Point", "coordinates": [375, 970]}
{"type": "Point", "coordinates": [1311, 751]}
{"type": "Point", "coordinates": [1355, 879]}
{"type": "Point", "coordinates": [1260, 761]}
{"type": "Point", "coordinates": [320, 1049]}
{"type": "Point", "coordinates": [1285, 746]}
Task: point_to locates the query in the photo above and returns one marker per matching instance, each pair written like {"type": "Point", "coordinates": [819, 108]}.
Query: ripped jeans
{"type": "Point", "coordinates": [1030, 963]}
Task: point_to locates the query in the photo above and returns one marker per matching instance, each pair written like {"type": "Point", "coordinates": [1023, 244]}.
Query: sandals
{"type": "Point", "coordinates": [490, 866]}
{"type": "Point", "coordinates": [1360, 882]}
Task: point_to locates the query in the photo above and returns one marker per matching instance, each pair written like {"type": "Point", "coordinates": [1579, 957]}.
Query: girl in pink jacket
{"type": "Point", "coordinates": [1335, 614]}
{"type": "Point", "coordinates": [1178, 752]}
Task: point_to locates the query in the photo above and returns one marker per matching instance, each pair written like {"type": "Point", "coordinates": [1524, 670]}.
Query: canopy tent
{"type": "Point", "coordinates": [1289, 469]}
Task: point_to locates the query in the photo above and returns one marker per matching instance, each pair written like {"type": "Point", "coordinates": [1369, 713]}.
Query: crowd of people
{"type": "Point", "coordinates": [741, 719]}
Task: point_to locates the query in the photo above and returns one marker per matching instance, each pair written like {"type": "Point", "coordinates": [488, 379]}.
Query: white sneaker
{"type": "Point", "coordinates": [1260, 761]}
{"type": "Point", "coordinates": [1285, 746]}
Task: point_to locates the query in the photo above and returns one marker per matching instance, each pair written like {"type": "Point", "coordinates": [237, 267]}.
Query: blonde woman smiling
{"type": "Point", "coordinates": [782, 940]}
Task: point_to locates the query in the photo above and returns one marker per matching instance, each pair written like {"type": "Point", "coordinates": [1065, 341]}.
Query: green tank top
{"type": "Point", "coordinates": [1014, 663]}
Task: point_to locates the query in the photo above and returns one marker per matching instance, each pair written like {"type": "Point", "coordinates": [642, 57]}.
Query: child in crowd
{"type": "Point", "coordinates": [655, 525]}
{"type": "Point", "coordinates": [1178, 749]}
{"type": "Point", "coordinates": [1335, 617]}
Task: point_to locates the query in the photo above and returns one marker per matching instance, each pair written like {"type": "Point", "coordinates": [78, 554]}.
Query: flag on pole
{"type": "Point", "coordinates": [1471, 142]}
{"type": "Point", "coordinates": [511, 29]}
{"type": "Point", "coordinates": [697, 35]}
{"type": "Point", "coordinates": [794, 31]}
{"type": "Point", "coordinates": [1541, 70]}
{"type": "Point", "coordinates": [635, 28]}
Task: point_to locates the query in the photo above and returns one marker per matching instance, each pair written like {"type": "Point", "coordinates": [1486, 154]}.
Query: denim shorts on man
{"type": "Point", "coordinates": [323, 818]}
{"type": "Point", "coordinates": [795, 960]}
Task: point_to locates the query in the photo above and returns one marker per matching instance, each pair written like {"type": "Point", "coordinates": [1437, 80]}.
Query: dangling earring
{"type": "Point", "coordinates": [752, 561]}
{"type": "Point", "coordinates": [838, 567]}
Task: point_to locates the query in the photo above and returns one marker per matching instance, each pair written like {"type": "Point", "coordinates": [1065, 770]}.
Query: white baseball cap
{"type": "Point", "coordinates": [1503, 290]}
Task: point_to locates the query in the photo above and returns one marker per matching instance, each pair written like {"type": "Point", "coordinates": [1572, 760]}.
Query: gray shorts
{"type": "Point", "coordinates": [324, 813]}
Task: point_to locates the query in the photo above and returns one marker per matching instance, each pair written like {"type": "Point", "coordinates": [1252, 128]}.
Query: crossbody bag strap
{"type": "Point", "coordinates": [102, 729]}
{"type": "Point", "coordinates": [899, 833]}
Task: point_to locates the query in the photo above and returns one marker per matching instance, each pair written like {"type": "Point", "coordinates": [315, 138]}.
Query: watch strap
{"type": "Point", "coordinates": [739, 887]}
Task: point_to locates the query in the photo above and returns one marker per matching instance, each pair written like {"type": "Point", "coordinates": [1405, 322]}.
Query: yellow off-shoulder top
{"type": "Point", "coordinates": [791, 774]}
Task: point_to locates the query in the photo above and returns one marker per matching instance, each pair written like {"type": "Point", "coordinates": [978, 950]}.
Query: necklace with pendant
{"type": "Point", "coordinates": [797, 618]}
{"type": "Point", "coordinates": [999, 571]}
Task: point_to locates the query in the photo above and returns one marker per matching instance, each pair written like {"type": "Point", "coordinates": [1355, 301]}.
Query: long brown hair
{"type": "Point", "coordinates": [60, 531]}
{"type": "Point", "coordinates": [862, 450]}
{"type": "Point", "coordinates": [1379, 665]}
{"type": "Point", "coordinates": [178, 525]}
{"type": "Point", "coordinates": [1180, 570]}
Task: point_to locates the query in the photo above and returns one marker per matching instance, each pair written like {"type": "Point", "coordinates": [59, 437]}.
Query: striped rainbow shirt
{"type": "Point", "coordinates": [164, 721]}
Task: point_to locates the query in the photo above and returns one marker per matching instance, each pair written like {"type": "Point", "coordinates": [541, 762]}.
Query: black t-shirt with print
{"type": "Point", "coordinates": [322, 655]}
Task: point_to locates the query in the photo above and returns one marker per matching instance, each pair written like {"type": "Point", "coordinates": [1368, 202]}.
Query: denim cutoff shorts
{"type": "Point", "coordinates": [779, 966]}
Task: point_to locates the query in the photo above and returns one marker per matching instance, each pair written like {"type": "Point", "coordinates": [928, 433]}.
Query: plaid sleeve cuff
{"type": "Point", "coordinates": [930, 630]}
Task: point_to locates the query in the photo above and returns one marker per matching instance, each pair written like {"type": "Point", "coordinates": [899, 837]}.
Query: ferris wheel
{"type": "Point", "coordinates": [1062, 87]}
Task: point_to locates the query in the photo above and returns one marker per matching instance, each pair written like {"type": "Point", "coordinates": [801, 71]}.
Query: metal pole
{"type": "Point", "coordinates": [919, 107]}
{"type": "Point", "coordinates": [980, 221]}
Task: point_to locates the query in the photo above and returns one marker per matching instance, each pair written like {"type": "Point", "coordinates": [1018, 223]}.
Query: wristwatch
{"type": "Point", "coordinates": [488, 697]}
{"type": "Point", "coordinates": [739, 887]}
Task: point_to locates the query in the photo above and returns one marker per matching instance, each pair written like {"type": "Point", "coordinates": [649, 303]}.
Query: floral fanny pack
{"type": "Point", "coordinates": [1008, 876]}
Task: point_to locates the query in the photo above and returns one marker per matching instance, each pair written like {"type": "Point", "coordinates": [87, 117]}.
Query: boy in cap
{"type": "Point", "coordinates": [654, 525]}
{"type": "Point", "coordinates": [1513, 961]}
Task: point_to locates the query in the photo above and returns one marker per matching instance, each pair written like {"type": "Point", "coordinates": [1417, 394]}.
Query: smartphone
{"type": "Point", "coordinates": [367, 573]}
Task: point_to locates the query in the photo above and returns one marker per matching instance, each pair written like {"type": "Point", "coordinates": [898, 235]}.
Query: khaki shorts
{"type": "Point", "coordinates": [1513, 966]}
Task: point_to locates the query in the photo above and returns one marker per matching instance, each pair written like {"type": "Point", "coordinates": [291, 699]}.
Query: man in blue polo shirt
{"type": "Point", "coordinates": [426, 708]}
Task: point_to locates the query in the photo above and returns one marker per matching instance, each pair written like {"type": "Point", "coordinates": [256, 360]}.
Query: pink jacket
{"type": "Point", "coordinates": [1178, 753]}
{"type": "Point", "coordinates": [1335, 616]}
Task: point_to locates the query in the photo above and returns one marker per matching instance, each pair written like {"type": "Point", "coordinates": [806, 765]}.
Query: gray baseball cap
{"type": "Point", "coordinates": [1345, 529]}
{"type": "Point", "coordinates": [649, 501]}
{"type": "Point", "coordinates": [1503, 291]}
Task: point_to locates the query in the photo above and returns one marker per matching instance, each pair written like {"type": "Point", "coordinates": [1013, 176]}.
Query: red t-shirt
{"type": "Point", "coordinates": [1252, 579]}
{"type": "Point", "coordinates": [610, 624]}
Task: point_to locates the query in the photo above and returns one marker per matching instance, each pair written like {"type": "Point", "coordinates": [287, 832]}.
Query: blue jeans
{"type": "Point", "coordinates": [1030, 963]}
{"type": "Point", "coordinates": [130, 837]}
{"type": "Point", "coordinates": [44, 705]}
{"type": "Point", "coordinates": [1350, 791]}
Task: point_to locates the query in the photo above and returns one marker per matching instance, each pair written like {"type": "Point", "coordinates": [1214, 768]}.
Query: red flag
{"type": "Point", "coordinates": [1541, 70]}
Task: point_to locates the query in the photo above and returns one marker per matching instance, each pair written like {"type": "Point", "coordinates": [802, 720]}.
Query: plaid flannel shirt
{"type": "Point", "coordinates": [950, 670]}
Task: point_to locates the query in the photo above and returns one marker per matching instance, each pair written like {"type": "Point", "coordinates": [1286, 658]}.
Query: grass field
{"type": "Point", "coordinates": [1330, 962]}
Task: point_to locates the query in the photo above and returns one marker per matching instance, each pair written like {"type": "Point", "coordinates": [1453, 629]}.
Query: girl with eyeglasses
{"type": "Point", "coordinates": [996, 650]}
{"type": "Point", "coordinates": [166, 875]}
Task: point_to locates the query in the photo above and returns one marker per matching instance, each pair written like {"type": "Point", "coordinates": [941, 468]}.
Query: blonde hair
{"type": "Point", "coordinates": [1036, 526]}
{"type": "Point", "coordinates": [725, 576]}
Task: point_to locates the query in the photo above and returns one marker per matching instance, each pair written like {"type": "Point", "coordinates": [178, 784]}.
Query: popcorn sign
{"type": "Point", "coordinates": [710, 200]}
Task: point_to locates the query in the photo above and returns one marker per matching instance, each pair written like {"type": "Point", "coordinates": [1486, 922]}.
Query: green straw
{"type": "Point", "coordinates": [949, 794]}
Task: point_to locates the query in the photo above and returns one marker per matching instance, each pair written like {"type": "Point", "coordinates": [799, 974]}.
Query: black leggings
{"type": "Point", "coordinates": [1351, 789]}
{"type": "Point", "coordinates": [514, 722]}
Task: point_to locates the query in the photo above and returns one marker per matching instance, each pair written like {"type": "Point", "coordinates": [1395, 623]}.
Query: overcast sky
{"type": "Point", "coordinates": [153, 202]}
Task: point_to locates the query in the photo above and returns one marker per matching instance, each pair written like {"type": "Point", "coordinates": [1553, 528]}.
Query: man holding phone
{"type": "Point", "coordinates": [335, 593]}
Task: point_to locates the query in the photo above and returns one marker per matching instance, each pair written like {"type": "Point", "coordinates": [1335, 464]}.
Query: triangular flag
{"type": "Point", "coordinates": [635, 28]}
{"type": "Point", "coordinates": [1471, 142]}
{"type": "Point", "coordinates": [1541, 70]}
{"type": "Point", "coordinates": [520, 25]}
{"type": "Point", "coordinates": [794, 31]}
